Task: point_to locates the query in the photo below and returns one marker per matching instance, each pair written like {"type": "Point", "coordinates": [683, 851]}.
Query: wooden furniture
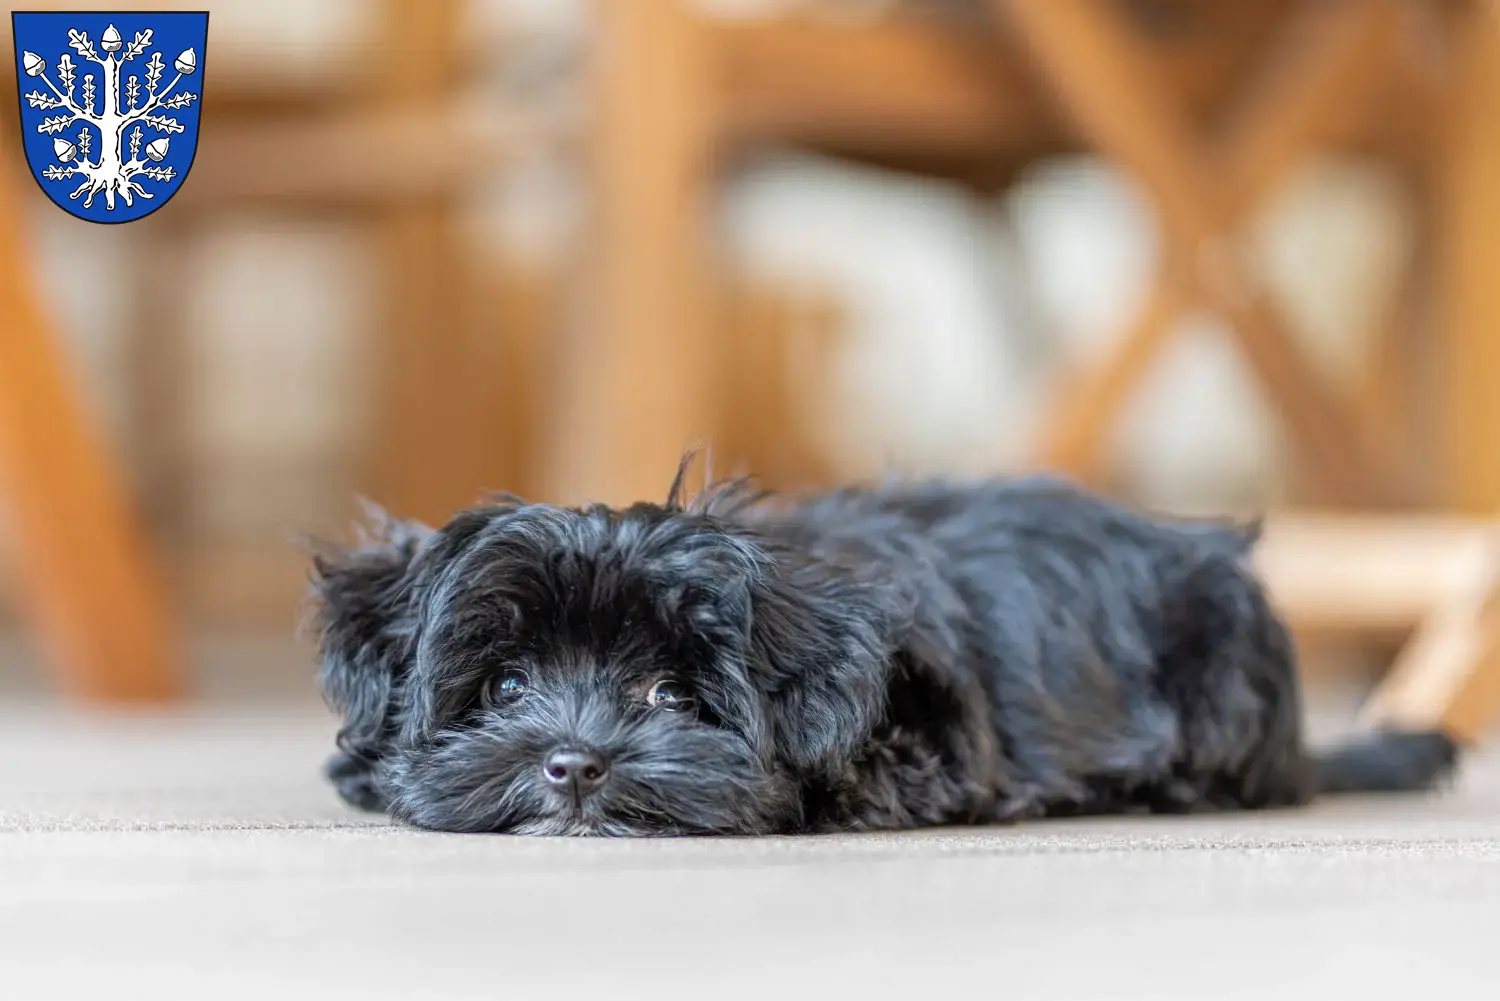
{"type": "Point", "coordinates": [389, 146]}
{"type": "Point", "coordinates": [1449, 674]}
{"type": "Point", "coordinates": [386, 147]}
{"type": "Point", "coordinates": [1429, 583]}
{"type": "Point", "coordinates": [87, 566]}
{"type": "Point", "coordinates": [1209, 107]}
{"type": "Point", "coordinates": [1203, 192]}
{"type": "Point", "coordinates": [381, 143]}
{"type": "Point", "coordinates": [678, 95]}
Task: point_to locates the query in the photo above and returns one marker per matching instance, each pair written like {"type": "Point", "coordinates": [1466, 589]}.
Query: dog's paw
{"type": "Point", "coordinates": [1015, 808]}
{"type": "Point", "coordinates": [354, 781]}
{"type": "Point", "coordinates": [1175, 797]}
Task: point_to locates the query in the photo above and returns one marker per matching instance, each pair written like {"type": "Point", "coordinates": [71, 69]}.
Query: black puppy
{"type": "Point", "coordinates": [919, 654]}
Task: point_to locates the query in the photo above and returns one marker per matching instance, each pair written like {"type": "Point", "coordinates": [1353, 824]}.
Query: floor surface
{"type": "Point", "coordinates": [200, 857]}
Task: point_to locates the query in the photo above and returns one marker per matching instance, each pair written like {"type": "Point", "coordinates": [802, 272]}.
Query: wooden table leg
{"type": "Point", "coordinates": [86, 565]}
{"type": "Point", "coordinates": [637, 382]}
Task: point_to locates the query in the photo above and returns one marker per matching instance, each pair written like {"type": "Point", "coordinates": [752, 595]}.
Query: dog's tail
{"type": "Point", "coordinates": [1387, 761]}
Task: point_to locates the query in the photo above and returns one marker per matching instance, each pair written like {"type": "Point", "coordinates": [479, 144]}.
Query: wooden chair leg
{"type": "Point", "coordinates": [420, 445]}
{"type": "Point", "coordinates": [778, 355]}
{"type": "Point", "coordinates": [86, 565]}
{"type": "Point", "coordinates": [1448, 675]}
{"type": "Point", "coordinates": [636, 385]}
{"type": "Point", "coordinates": [1381, 576]}
{"type": "Point", "coordinates": [1468, 279]}
{"type": "Point", "coordinates": [159, 377]}
{"type": "Point", "coordinates": [1090, 397]}
{"type": "Point", "coordinates": [419, 455]}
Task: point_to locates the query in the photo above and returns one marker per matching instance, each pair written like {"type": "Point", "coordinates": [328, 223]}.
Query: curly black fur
{"type": "Point", "coordinates": [874, 658]}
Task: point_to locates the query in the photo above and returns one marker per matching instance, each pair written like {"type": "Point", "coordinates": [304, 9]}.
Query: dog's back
{"type": "Point", "coordinates": [1126, 660]}
{"type": "Point", "coordinates": [993, 535]}
{"type": "Point", "coordinates": [1040, 507]}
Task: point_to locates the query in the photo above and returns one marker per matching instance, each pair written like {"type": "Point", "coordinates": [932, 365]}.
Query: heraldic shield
{"type": "Point", "coordinates": [110, 106]}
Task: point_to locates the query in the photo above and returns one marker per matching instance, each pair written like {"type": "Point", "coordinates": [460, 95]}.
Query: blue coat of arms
{"type": "Point", "coordinates": [110, 106]}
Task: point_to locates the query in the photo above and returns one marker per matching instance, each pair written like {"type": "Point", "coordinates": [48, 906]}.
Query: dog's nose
{"type": "Point", "coordinates": [579, 771]}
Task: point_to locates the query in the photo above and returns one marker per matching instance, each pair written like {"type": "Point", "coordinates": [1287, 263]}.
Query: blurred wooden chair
{"type": "Point", "coordinates": [1209, 106]}
{"type": "Point", "coordinates": [1314, 90]}
{"type": "Point", "coordinates": [970, 90]}
{"type": "Point", "coordinates": [87, 567]}
{"type": "Point", "coordinates": [383, 138]}
{"type": "Point", "coordinates": [1449, 673]}
{"type": "Point", "coordinates": [676, 94]}
{"type": "Point", "coordinates": [1428, 584]}
{"type": "Point", "coordinates": [377, 138]}
{"type": "Point", "coordinates": [375, 133]}
{"type": "Point", "coordinates": [1314, 82]}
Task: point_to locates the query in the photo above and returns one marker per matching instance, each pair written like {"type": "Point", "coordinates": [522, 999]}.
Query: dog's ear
{"type": "Point", "coordinates": [821, 640]}
{"type": "Point", "coordinates": [365, 629]}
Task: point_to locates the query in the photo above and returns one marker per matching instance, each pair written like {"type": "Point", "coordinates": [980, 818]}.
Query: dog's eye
{"type": "Point", "coordinates": [671, 695]}
{"type": "Point", "coordinates": [508, 686]}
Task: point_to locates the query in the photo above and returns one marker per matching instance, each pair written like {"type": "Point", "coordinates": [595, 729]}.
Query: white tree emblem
{"type": "Point", "coordinates": [119, 116]}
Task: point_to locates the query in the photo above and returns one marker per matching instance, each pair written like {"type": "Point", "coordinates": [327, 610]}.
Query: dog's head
{"type": "Point", "coordinates": [544, 670]}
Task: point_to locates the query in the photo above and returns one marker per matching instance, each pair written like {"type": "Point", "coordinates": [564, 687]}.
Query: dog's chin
{"type": "Point", "coordinates": [557, 814]}
{"type": "Point", "coordinates": [525, 809]}
{"type": "Point", "coordinates": [572, 822]}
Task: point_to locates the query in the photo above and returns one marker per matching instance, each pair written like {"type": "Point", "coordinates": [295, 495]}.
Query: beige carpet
{"type": "Point", "coordinates": [201, 858]}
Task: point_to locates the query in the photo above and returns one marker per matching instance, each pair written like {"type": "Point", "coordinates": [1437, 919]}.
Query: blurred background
{"type": "Point", "coordinates": [1209, 257]}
